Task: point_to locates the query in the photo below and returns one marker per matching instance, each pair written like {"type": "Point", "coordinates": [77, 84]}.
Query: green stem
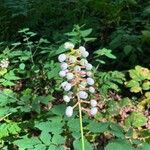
{"type": "Point", "coordinates": [81, 127]}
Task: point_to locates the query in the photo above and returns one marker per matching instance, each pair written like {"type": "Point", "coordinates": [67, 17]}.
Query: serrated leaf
{"type": "Point", "coordinates": [27, 143]}
{"type": "Point", "coordinates": [96, 127]}
{"type": "Point", "coordinates": [58, 139]}
{"type": "Point", "coordinates": [85, 33]}
{"type": "Point", "coordinates": [136, 119]}
{"type": "Point", "coordinates": [45, 137]}
{"type": "Point", "coordinates": [117, 130]}
{"type": "Point", "coordinates": [78, 146]}
{"type": "Point", "coordinates": [119, 145]}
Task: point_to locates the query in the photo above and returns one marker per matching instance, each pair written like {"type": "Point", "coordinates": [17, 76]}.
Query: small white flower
{"type": "Point", "coordinates": [83, 95]}
{"type": "Point", "coordinates": [90, 81]}
{"type": "Point", "coordinates": [68, 45]}
{"type": "Point", "coordinates": [91, 89]}
{"type": "Point", "coordinates": [72, 59]}
{"type": "Point", "coordinates": [70, 76]}
{"type": "Point", "coordinates": [93, 103]}
{"type": "Point", "coordinates": [4, 63]}
{"type": "Point", "coordinates": [82, 49]}
{"type": "Point", "coordinates": [66, 98]}
{"type": "Point", "coordinates": [88, 66]}
{"type": "Point", "coordinates": [62, 57]}
{"type": "Point", "coordinates": [64, 66]}
{"type": "Point", "coordinates": [85, 54]}
{"type": "Point", "coordinates": [67, 87]}
{"type": "Point", "coordinates": [93, 111]}
{"type": "Point", "coordinates": [62, 73]}
{"type": "Point", "coordinates": [77, 68]}
{"type": "Point", "coordinates": [89, 73]}
{"type": "Point", "coordinates": [83, 62]}
{"type": "Point", "coordinates": [69, 111]}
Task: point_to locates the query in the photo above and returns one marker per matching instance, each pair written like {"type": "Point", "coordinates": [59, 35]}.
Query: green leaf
{"type": "Point", "coordinates": [146, 35]}
{"type": "Point", "coordinates": [3, 71]}
{"type": "Point", "coordinates": [74, 127]}
{"type": "Point", "coordinates": [146, 85]}
{"type": "Point", "coordinates": [23, 30]}
{"type": "Point", "coordinates": [136, 119]}
{"type": "Point", "coordinates": [58, 139]}
{"type": "Point", "coordinates": [127, 49]}
{"type": "Point", "coordinates": [89, 39]}
{"type": "Point", "coordinates": [105, 52]}
{"type": "Point", "coordinates": [96, 127]}
{"type": "Point", "coordinates": [144, 146]}
{"type": "Point", "coordinates": [58, 109]}
{"type": "Point", "coordinates": [9, 128]}
{"type": "Point", "coordinates": [85, 33]}
{"type": "Point", "coordinates": [78, 146]}
{"type": "Point", "coordinates": [117, 130]}
{"type": "Point", "coordinates": [54, 147]}
{"type": "Point", "coordinates": [119, 145]}
{"type": "Point", "coordinates": [22, 66]}
{"type": "Point", "coordinates": [16, 44]}
{"type": "Point", "coordinates": [11, 76]}
{"type": "Point", "coordinates": [45, 137]}
{"type": "Point", "coordinates": [54, 126]}
{"type": "Point", "coordinates": [27, 143]}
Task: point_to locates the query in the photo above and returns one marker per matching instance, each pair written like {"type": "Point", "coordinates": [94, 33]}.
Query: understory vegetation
{"type": "Point", "coordinates": [116, 35]}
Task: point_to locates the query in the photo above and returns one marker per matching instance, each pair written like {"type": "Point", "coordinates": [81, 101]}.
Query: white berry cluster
{"type": "Point", "coordinates": [4, 63]}
{"type": "Point", "coordinates": [78, 82]}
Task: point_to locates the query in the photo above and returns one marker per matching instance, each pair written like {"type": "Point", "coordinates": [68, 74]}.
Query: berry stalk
{"type": "Point", "coordinates": [81, 123]}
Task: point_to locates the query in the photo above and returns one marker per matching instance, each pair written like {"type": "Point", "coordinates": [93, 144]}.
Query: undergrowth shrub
{"type": "Point", "coordinates": [32, 109]}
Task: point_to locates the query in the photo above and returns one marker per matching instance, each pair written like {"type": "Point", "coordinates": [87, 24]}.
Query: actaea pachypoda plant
{"type": "Point", "coordinates": [78, 83]}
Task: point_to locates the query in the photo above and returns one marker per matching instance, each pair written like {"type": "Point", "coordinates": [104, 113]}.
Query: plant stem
{"type": "Point", "coordinates": [81, 126]}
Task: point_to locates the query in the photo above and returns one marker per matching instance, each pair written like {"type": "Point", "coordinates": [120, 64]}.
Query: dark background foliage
{"type": "Point", "coordinates": [121, 25]}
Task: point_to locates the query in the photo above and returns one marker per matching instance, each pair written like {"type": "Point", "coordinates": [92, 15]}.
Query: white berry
{"type": "Point", "coordinates": [93, 103]}
{"type": "Point", "coordinates": [72, 59]}
{"type": "Point", "coordinates": [77, 68]}
{"type": "Point", "coordinates": [63, 84]}
{"type": "Point", "coordinates": [70, 76]}
{"type": "Point", "coordinates": [93, 111]}
{"type": "Point", "coordinates": [62, 73]}
{"type": "Point", "coordinates": [66, 98]}
{"type": "Point", "coordinates": [83, 62]}
{"type": "Point", "coordinates": [64, 66]}
{"type": "Point", "coordinates": [69, 111]}
{"type": "Point", "coordinates": [90, 81]}
{"type": "Point", "coordinates": [83, 95]}
{"type": "Point", "coordinates": [85, 54]}
{"type": "Point", "coordinates": [88, 66]}
{"type": "Point", "coordinates": [91, 89]}
{"type": "Point", "coordinates": [82, 49]}
{"type": "Point", "coordinates": [69, 45]}
{"type": "Point", "coordinates": [67, 87]}
{"type": "Point", "coordinates": [89, 73]}
{"type": "Point", "coordinates": [62, 57]}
